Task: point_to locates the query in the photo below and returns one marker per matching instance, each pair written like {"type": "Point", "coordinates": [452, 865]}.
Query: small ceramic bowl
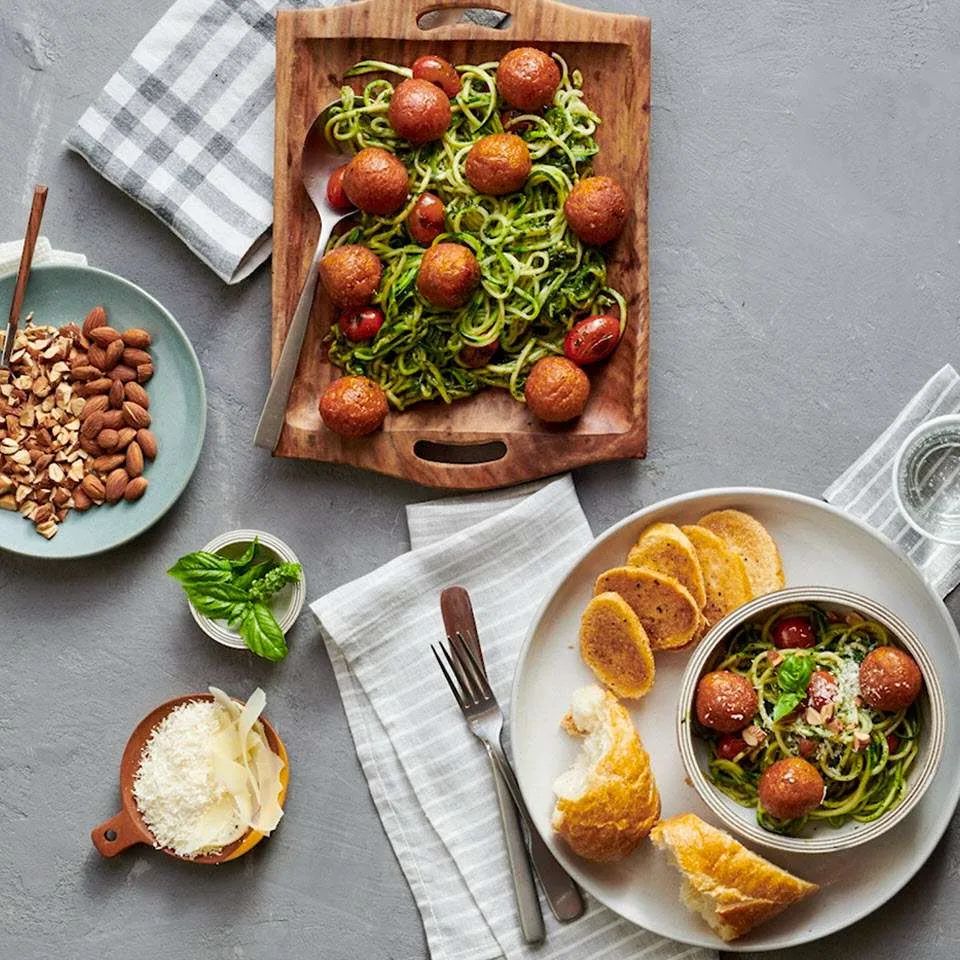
{"type": "Point", "coordinates": [820, 837]}
{"type": "Point", "coordinates": [286, 603]}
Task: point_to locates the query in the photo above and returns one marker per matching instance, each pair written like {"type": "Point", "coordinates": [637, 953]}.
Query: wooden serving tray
{"type": "Point", "coordinates": [488, 440]}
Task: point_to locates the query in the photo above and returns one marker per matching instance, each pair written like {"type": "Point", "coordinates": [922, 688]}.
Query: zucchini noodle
{"type": "Point", "coordinates": [864, 778]}
{"type": "Point", "coordinates": [537, 278]}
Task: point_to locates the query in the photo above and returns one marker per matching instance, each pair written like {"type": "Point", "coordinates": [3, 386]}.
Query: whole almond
{"type": "Point", "coordinates": [84, 371]}
{"type": "Point", "coordinates": [108, 462]}
{"type": "Point", "coordinates": [144, 372]}
{"type": "Point", "coordinates": [113, 419]}
{"type": "Point", "coordinates": [136, 337]}
{"type": "Point", "coordinates": [135, 416]}
{"type": "Point", "coordinates": [103, 335]}
{"type": "Point", "coordinates": [94, 405]}
{"type": "Point", "coordinates": [116, 484]}
{"type": "Point", "coordinates": [136, 488]}
{"type": "Point", "coordinates": [117, 394]}
{"type": "Point", "coordinates": [93, 424]}
{"type": "Point", "coordinates": [133, 357]}
{"type": "Point", "coordinates": [112, 354]}
{"type": "Point", "coordinates": [97, 317]}
{"type": "Point", "coordinates": [90, 446]}
{"type": "Point", "coordinates": [148, 443]}
{"type": "Point", "coordinates": [123, 373]}
{"type": "Point", "coordinates": [125, 437]}
{"type": "Point", "coordinates": [92, 387]}
{"type": "Point", "coordinates": [93, 487]}
{"type": "Point", "coordinates": [108, 439]}
{"type": "Point", "coordinates": [136, 393]}
{"type": "Point", "coordinates": [134, 459]}
{"type": "Point", "coordinates": [97, 356]}
{"type": "Point", "coordinates": [80, 500]}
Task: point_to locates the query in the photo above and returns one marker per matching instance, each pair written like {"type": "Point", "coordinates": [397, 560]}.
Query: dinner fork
{"type": "Point", "coordinates": [472, 691]}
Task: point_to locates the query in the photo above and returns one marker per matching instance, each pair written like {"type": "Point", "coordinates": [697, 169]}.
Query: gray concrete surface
{"type": "Point", "coordinates": [804, 261]}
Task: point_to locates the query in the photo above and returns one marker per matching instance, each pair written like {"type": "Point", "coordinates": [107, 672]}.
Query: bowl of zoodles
{"type": "Point", "coordinates": [811, 720]}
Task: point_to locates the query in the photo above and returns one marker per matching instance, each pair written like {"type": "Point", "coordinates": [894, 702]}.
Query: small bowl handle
{"type": "Point", "coordinates": [115, 835]}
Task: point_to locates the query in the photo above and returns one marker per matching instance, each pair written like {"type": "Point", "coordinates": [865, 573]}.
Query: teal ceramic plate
{"type": "Point", "coordinates": [178, 405]}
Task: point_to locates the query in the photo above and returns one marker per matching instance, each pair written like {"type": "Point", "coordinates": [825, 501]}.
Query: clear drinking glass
{"type": "Point", "coordinates": [926, 479]}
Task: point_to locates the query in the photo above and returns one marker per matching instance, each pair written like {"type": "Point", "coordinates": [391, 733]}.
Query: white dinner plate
{"type": "Point", "coordinates": [820, 546]}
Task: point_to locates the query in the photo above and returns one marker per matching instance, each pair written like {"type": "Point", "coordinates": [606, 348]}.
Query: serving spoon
{"type": "Point", "coordinates": [317, 162]}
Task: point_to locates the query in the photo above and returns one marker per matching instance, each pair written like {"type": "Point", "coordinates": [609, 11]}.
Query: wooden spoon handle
{"type": "Point", "coordinates": [26, 257]}
{"type": "Point", "coordinates": [115, 835]}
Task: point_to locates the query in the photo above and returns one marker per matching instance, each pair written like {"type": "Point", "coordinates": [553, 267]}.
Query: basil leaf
{"type": "Point", "coordinates": [217, 600]}
{"type": "Point", "coordinates": [257, 571]}
{"type": "Point", "coordinates": [267, 586]}
{"type": "Point", "coordinates": [795, 672]}
{"type": "Point", "coordinates": [245, 558]}
{"type": "Point", "coordinates": [262, 634]}
{"type": "Point", "coordinates": [786, 704]}
{"type": "Point", "coordinates": [197, 563]}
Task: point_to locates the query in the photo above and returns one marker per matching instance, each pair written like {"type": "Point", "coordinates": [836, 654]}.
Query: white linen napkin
{"type": "Point", "coordinates": [42, 253]}
{"type": "Point", "coordinates": [865, 488]}
{"type": "Point", "coordinates": [429, 778]}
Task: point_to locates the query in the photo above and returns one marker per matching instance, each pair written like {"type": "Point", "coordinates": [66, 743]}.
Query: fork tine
{"type": "Point", "coordinates": [479, 685]}
{"type": "Point", "coordinates": [452, 657]}
{"type": "Point", "coordinates": [453, 686]}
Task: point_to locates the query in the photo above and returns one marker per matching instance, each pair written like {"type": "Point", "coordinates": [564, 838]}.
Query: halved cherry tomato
{"type": "Point", "coordinates": [474, 357]}
{"type": "Point", "coordinates": [359, 325]}
{"type": "Point", "coordinates": [793, 632]}
{"type": "Point", "coordinates": [806, 746]}
{"type": "Point", "coordinates": [510, 122]}
{"type": "Point", "coordinates": [592, 340]}
{"type": "Point", "coordinates": [730, 746]}
{"type": "Point", "coordinates": [893, 742]}
{"type": "Point", "coordinates": [427, 219]}
{"type": "Point", "coordinates": [439, 71]}
{"type": "Point", "coordinates": [822, 688]}
{"type": "Point", "coordinates": [336, 195]}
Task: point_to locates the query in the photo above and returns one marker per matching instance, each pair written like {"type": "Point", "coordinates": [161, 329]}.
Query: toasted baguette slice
{"type": "Point", "coordinates": [724, 574]}
{"type": "Point", "coordinates": [664, 547]}
{"type": "Point", "coordinates": [749, 538]}
{"type": "Point", "coordinates": [731, 887]}
{"type": "Point", "coordinates": [615, 646]}
{"type": "Point", "coordinates": [608, 800]}
{"type": "Point", "coordinates": [664, 606]}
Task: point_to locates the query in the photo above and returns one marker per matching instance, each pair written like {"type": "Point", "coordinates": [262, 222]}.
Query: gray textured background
{"type": "Point", "coordinates": [804, 262]}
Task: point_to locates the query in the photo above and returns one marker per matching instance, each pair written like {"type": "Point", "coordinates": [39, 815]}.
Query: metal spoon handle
{"type": "Point", "coordinates": [275, 407]}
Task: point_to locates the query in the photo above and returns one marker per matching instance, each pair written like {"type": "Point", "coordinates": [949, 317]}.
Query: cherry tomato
{"type": "Point", "coordinates": [336, 196]}
{"type": "Point", "coordinates": [793, 632]}
{"type": "Point", "coordinates": [730, 746]}
{"type": "Point", "coordinates": [893, 742]}
{"type": "Point", "coordinates": [439, 71]}
{"type": "Point", "coordinates": [358, 325]}
{"type": "Point", "coordinates": [592, 340]}
{"type": "Point", "coordinates": [426, 221]}
{"type": "Point", "coordinates": [806, 746]}
{"type": "Point", "coordinates": [509, 121]}
{"type": "Point", "coordinates": [822, 688]}
{"type": "Point", "coordinates": [474, 357]}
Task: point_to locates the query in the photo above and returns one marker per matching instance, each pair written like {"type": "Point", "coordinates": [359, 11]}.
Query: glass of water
{"type": "Point", "coordinates": [926, 479]}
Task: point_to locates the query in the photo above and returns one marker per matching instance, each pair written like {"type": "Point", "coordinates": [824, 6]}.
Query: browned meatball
{"type": "Point", "coordinates": [790, 788]}
{"type": "Point", "coordinates": [353, 406]}
{"type": "Point", "coordinates": [889, 679]}
{"type": "Point", "coordinates": [448, 275]}
{"type": "Point", "coordinates": [497, 164]}
{"type": "Point", "coordinates": [528, 78]}
{"type": "Point", "coordinates": [350, 274]}
{"type": "Point", "coordinates": [556, 390]}
{"type": "Point", "coordinates": [419, 111]}
{"type": "Point", "coordinates": [596, 210]}
{"type": "Point", "coordinates": [376, 182]}
{"type": "Point", "coordinates": [725, 701]}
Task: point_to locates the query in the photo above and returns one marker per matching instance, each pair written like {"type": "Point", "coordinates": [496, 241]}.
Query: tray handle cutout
{"type": "Point", "coordinates": [460, 453]}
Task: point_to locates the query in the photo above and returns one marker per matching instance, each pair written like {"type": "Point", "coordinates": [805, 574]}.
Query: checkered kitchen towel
{"type": "Point", "coordinates": [185, 127]}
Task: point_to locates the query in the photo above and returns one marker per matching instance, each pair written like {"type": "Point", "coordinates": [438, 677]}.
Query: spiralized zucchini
{"type": "Point", "coordinates": [862, 784]}
{"type": "Point", "coordinates": [537, 278]}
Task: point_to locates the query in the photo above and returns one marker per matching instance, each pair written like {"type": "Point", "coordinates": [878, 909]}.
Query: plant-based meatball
{"type": "Point", "coordinates": [889, 679]}
{"type": "Point", "coordinates": [376, 182]}
{"type": "Point", "coordinates": [427, 220]}
{"type": "Point", "coordinates": [790, 788]}
{"type": "Point", "coordinates": [596, 210]}
{"type": "Point", "coordinates": [498, 164]}
{"type": "Point", "coordinates": [350, 274]}
{"type": "Point", "coordinates": [448, 275]}
{"type": "Point", "coordinates": [725, 701]}
{"type": "Point", "coordinates": [528, 78]}
{"type": "Point", "coordinates": [353, 406]}
{"type": "Point", "coordinates": [557, 390]}
{"type": "Point", "coordinates": [439, 71]}
{"type": "Point", "coordinates": [419, 111]}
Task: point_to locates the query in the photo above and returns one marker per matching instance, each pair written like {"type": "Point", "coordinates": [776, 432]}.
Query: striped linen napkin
{"type": "Point", "coordinates": [185, 127]}
{"type": "Point", "coordinates": [430, 781]}
{"type": "Point", "coordinates": [865, 489]}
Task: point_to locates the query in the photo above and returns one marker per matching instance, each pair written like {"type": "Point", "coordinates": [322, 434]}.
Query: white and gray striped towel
{"type": "Point", "coordinates": [185, 127]}
{"type": "Point", "coordinates": [508, 549]}
{"type": "Point", "coordinates": [865, 489]}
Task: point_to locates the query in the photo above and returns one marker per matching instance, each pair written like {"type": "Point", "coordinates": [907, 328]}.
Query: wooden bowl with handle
{"type": "Point", "coordinates": [127, 828]}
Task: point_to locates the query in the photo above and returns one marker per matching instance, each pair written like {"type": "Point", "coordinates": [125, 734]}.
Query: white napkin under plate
{"type": "Point", "coordinates": [42, 253]}
{"type": "Point", "coordinates": [865, 489]}
{"type": "Point", "coordinates": [429, 778]}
